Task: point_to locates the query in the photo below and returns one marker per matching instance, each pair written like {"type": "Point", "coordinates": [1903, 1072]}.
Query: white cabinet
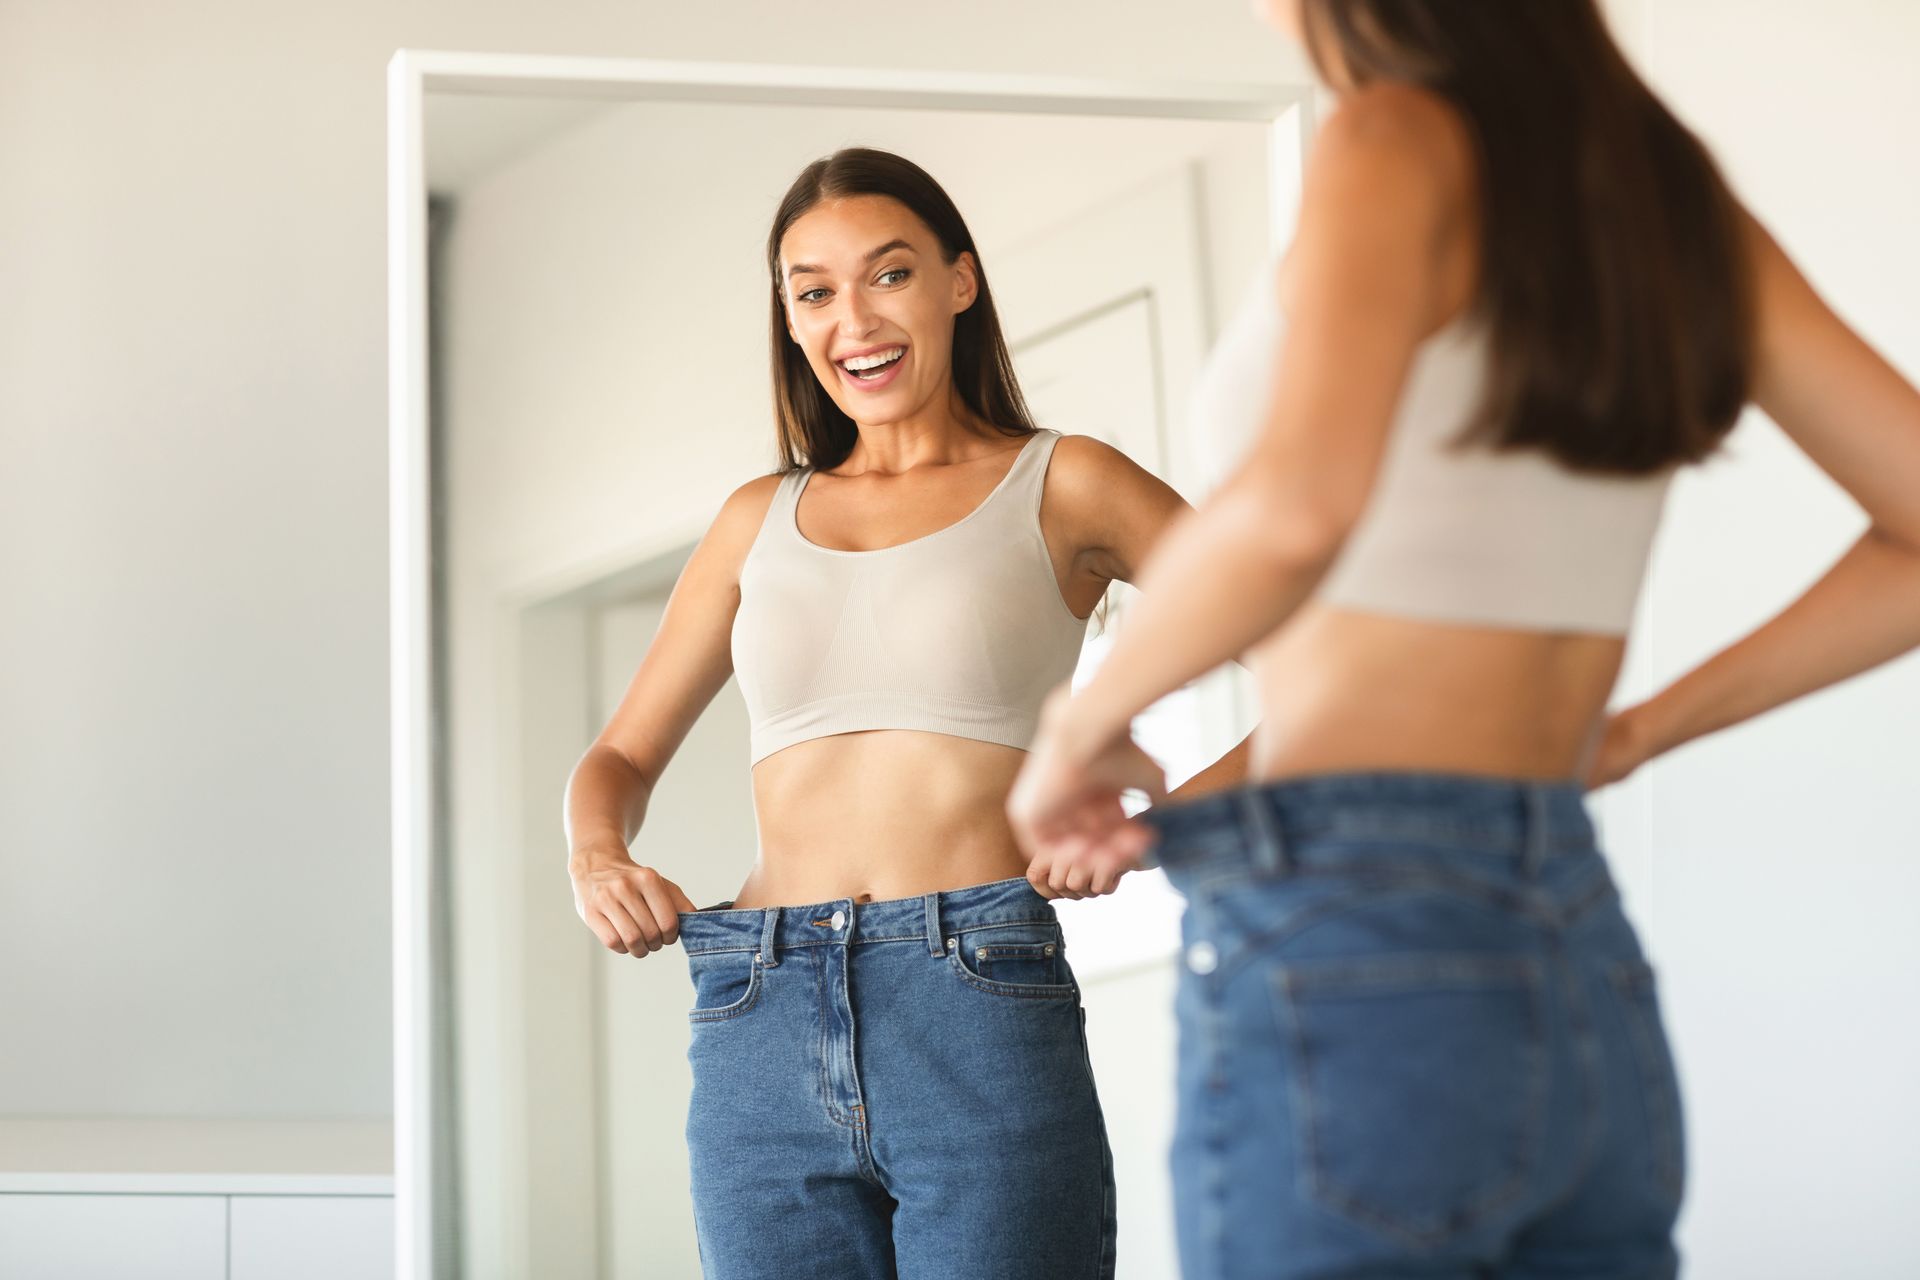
{"type": "Point", "coordinates": [113, 1237]}
{"type": "Point", "coordinates": [92, 1226]}
{"type": "Point", "coordinates": [312, 1238]}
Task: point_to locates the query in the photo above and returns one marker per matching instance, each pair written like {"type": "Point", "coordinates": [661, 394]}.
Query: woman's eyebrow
{"type": "Point", "coordinates": [808, 268]}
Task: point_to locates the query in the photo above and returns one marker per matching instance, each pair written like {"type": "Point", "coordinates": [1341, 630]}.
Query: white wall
{"type": "Point", "coordinates": [1778, 883]}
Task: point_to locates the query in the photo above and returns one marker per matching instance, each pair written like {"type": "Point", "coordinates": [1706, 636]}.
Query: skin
{"type": "Point", "coordinates": [1384, 257]}
{"type": "Point", "coordinates": [882, 813]}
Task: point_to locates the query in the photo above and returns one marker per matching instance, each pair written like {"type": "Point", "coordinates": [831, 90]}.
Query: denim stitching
{"type": "Point", "coordinates": [1635, 984]}
{"type": "Point", "coordinates": [1104, 1261]}
{"type": "Point", "coordinates": [723, 1012]}
{"type": "Point", "coordinates": [822, 1047]}
{"type": "Point", "coordinates": [1010, 990]}
{"type": "Point", "coordinates": [903, 937]}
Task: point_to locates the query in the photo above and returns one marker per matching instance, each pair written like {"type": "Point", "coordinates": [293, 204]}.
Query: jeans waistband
{"type": "Point", "coordinates": [1271, 826]}
{"type": "Point", "coordinates": [931, 918]}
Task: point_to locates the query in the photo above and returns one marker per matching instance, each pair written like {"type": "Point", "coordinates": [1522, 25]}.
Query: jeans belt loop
{"type": "Point", "coordinates": [1263, 827]}
{"type": "Point", "coordinates": [1539, 828]}
{"type": "Point", "coordinates": [936, 944]}
{"type": "Point", "coordinates": [769, 935]}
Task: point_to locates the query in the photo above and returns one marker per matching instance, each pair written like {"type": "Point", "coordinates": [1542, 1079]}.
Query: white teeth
{"type": "Point", "coordinates": [855, 364]}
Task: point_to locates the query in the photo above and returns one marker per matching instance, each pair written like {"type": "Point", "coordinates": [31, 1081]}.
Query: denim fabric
{"type": "Point", "coordinates": [894, 1089]}
{"type": "Point", "coordinates": [1417, 1038]}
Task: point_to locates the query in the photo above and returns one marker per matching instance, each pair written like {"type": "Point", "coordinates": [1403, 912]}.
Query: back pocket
{"type": "Point", "coordinates": [1419, 1086]}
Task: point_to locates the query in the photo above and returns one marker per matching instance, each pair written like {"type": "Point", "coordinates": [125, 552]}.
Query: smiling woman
{"type": "Point", "coordinates": [893, 644]}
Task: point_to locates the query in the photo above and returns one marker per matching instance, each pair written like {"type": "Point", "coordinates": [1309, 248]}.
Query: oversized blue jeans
{"type": "Point", "coordinates": [1417, 1038]}
{"type": "Point", "coordinates": [894, 1089]}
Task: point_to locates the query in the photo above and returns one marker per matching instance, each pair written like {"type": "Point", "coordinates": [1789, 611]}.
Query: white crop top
{"type": "Point", "coordinates": [1505, 539]}
{"type": "Point", "coordinates": [963, 631]}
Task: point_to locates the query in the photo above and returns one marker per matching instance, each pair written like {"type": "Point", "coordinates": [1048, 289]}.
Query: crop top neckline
{"type": "Point", "coordinates": [793, 509]}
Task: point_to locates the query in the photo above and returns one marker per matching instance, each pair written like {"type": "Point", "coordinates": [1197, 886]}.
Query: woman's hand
{"type": "Point", "coordinates": [632, 909]}
{"type": "Point", "coordinates": [1054, 874]}
{"type": "Point", "coordinates": [1065, 806]}
{"type": "Point", "coordinates": [1626, 742]}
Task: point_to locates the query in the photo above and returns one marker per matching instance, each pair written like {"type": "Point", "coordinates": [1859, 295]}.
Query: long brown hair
{"type": "Point", "coordinates": [813, 430]}
{"type": "Point", "coordinates": [1614, 278]}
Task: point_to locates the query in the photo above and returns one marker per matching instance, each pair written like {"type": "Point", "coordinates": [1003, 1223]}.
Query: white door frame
{"type": "Point", "coordinates": [411, 74]}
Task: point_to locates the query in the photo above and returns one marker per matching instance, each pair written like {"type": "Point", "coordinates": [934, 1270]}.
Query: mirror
{"type": "Point", "coordinates": [581, 378]}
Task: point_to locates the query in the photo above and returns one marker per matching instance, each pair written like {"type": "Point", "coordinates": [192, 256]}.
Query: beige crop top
{"type": "Point", "coordinates": [1506, 539]}
{"type": "Point", "coordinates": [963, 631]}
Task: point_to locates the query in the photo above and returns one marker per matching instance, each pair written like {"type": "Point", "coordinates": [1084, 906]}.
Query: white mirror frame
{"type": "Point", "coordinates": [1286, 109]}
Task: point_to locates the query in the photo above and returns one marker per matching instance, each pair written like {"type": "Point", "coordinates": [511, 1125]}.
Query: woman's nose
{"type": "Point", "coordinates": [857, 318]}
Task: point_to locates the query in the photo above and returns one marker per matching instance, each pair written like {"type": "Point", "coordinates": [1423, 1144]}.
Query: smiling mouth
{"type": "Point", "coordinates": [869, 367]}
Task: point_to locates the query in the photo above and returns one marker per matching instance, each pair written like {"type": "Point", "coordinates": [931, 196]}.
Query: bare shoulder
{"type": "Point", "coordinates": [741, 515]}
{"type": "Point", "coordinates": [1098, 486]}
{"type": "Point", "coordinates": [1400, 142]}
{"type": "Point", "coordinates": [1399, 119]}
{"type": "Point", "coordinates": [1085, 468]}
{"type": "Point", "coordinates": [1387, 220]}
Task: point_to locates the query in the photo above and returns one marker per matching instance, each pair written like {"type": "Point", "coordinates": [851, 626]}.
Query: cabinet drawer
{"type": "Point", "coordinates": [312, 1238]}
{"type": "Point", "coordinates": [113, 1237]}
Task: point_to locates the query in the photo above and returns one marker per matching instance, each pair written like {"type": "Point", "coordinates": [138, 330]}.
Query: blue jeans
{"type": "Point", "coordinates": [1417, 1038]}
{"type": "Point", "coordinates": [894, 1089]}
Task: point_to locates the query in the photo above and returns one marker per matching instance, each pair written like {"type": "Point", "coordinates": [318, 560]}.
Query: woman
{"type": "Point", "coordinates": [890, 1072]}
{"type": "Point", "coordinates": [1417, 1034]}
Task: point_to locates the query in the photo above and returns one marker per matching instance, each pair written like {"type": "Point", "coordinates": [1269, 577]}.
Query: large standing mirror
{"type": "Point", "coordinates": [580, 378]}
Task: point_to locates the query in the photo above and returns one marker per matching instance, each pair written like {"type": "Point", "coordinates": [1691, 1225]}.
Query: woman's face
{"type": "Point", "coordinates": [872, 301]}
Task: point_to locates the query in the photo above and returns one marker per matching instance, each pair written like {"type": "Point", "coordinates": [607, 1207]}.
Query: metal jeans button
{"type": "Point", "coordinates": [839, 919]}
{"type": "Point", "coordinates": [1202, 958]}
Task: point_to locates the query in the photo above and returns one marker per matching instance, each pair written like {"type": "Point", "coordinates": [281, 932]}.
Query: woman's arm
{"type": "Point", "coordinates": [1362, 293]}
{"type": "Point", "coordinates": [1859, 421]}
{"type": "Point", "coordinates": [1112, 511]}
{"type": "Point", "coordinates": [1117, 511]}
{"type": "Point", "coordinates": [631, 908]}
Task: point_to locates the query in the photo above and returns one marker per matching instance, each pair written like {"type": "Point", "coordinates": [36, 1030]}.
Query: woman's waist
{"type": "Point", "coordinates": [928, 917]}
{"type": "Point", "coordinates": [1377, 828]}
{"type": "Point", "coordinates": [1342, 691]}
{"type": "Point", "coordinates": [874, 869]}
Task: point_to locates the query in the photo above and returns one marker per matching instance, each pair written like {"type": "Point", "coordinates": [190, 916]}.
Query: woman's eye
{"type": "Point", "coordinates": [812, 295]}
{"type": "Point", "coordinates": [894, 276]}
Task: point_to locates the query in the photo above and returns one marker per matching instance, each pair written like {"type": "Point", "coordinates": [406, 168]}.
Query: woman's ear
{"type": "Point", "coordinates": [966, 281]}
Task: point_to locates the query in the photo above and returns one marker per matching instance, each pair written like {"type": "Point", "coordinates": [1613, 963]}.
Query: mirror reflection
{"type": "Point", "coordinates": [1017, 308]}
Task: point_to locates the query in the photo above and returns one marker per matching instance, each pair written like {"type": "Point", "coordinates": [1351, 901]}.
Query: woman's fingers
{"type": "Point", "coordinates": [658, 898]}
{"type": "Point", "coordinates": [681, 902]}
{"type": "Point", "coordinates": [603, 929]}
{"type": "Point", "coordinates": [1039, 875]}
{"type": "Point", "coordinates": [634, 922]}
{"type": "Point", "coordinates": [1079, 878]}
{"type": "Point", "coordinates": [633, 910]}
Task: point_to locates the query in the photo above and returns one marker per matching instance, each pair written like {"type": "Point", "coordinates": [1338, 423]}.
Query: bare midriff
{"type": "Point", "coordinates": [1342, 691]}
{"type": "Point", "coordinates": [893, 813]}
{"type": "Point", "coordinates": [883, 813]}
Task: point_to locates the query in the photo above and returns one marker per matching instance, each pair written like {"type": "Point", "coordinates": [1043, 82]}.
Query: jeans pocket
{"type": "Point", "coordinates": [1419, 1086]}
{"type": "Point", "coordinates": [1658, 1082]}
{"type": "Point", "coordinates": [1013, 960]}
{"type": "Point", "coordinates": [725, 984]}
